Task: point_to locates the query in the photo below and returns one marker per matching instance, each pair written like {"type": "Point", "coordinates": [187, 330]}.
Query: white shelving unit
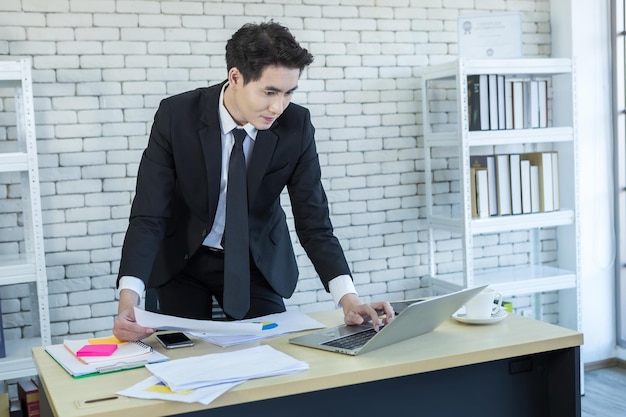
{"type": "Point", "coordinates": [18, 162]}
{"type": "Point", "coordinates": [543, 248]}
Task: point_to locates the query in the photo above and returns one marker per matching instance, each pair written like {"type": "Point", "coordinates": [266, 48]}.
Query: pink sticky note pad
{"type": "Point", "coordinates": [96, 350]}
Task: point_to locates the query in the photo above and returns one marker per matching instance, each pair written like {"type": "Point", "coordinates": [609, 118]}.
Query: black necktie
{"type": "Point", "coordinates": [236, 248]}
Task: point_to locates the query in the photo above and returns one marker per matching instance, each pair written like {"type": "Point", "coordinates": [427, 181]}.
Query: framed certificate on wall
{"type": "Point", "coordinates": [490, 36]}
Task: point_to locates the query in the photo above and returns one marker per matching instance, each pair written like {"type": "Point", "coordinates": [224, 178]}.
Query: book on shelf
{"type": "Point", "coordinates": [501, 102]}
{"type": "Point", "coordinates": [5, 405]}
{"type": "Point", "coordinates": [503, 183]}
{"type": "Point", "coordinates": [489, 162]}
{"type": "Point", "coordinates": [531, 104]}
{"type": "Point", "coordinates": [493, 102]}
{"type": "Point", "coordinates": [525, 186]}
{"type": "Point", "coordinates": [28, 394]}
{"type": "Point", "coordinates": [518, 104]}
{"type": "Point", "coordinates": [473, 191]}
{"type": "Point", "coordinates": [556, 193]}
{"type": "Point", "coordinates": [484, 101]}
{"type": "Point", "coordinates": [535, 189]}
{"type": "Point", "coordinates": [543, 160]}
{"type": "Point", "coordinates": [516, 184]}
{"type": "Point", "coordinates": [479, 191]}
{"type": "Point", "coordinates": [482, 192]}
{"type": "Point", "coordinates": [508, 104]}
{"type": "Point", "coordinates": [478, 102]}
{"type": "Point", "coordinates": [543, 102]}
{"type": "Point", "coordinates": [547, 183]}
{"type": "Point", "coordinates": [473, 102]}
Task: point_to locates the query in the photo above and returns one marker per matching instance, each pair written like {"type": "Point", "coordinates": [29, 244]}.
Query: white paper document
{"type": "Point", "coordinates": [229, 367]}
{"type": "Point", "coordinates": [273, 325]}
{"type": "Point", "coordinates": [153, 389]}
{"type": "Point", "coordinates": [164, 322]}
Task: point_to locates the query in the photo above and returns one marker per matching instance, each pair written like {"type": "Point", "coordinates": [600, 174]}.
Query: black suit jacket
{"type": "Point", "coordinates": [178, 187]}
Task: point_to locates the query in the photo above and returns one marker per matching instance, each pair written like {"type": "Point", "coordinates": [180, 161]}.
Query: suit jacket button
{"type": "Point", "coordinates": [186, 256]}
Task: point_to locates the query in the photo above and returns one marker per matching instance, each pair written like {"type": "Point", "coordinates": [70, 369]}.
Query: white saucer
{"type": "Point", "coordinates": [461, 317]}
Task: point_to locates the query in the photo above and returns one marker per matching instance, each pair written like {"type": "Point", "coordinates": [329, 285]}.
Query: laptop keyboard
{"type": "Point", "coordinates": [352, 341]}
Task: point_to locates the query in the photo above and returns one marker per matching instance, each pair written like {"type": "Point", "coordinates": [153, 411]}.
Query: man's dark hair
{"type": "Point", "coordinates": [256, 46]}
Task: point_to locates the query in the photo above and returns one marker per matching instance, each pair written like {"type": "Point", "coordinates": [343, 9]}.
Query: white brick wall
{"type": "Point", "coordinates": [100, 67]}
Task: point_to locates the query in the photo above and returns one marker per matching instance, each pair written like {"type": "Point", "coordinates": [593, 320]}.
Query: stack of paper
{"type": "Point", "coordinates": [230, 333]}
{"type": "Point", "coordinates": [128, 355]}
{"type": "Point", "coordinates": [273, 325]}
{"type": "Point", "coordinates": [228, 367]}
{"type": "Point", "coordinates": [153, 389]}
{"type": "Point", "coordinates": [165, 322]}
{"type": "Point", "coordinates": [212, 374]}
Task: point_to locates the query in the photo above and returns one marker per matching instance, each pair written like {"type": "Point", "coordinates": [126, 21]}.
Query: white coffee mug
{"type": "Point", "coordinates": [485, 304]}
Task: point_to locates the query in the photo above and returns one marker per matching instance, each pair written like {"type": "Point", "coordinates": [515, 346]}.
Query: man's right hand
{"type": "Point", "coordinates": [125, 328]}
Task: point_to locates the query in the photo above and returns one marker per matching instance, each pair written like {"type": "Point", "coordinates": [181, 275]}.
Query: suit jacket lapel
{"type": "Point", "coordinates": [211, 141]}
{"type": "Point", "coordinates": [264, 145]}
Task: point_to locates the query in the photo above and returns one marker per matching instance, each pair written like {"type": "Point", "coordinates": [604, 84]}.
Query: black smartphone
{"type": "Point", "coordinates": [174, 340]}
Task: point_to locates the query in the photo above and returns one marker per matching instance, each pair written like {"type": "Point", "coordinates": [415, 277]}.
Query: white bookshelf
{"type": "Point", "coordinates": [19, 167]}
{"type": "Point", "coordinates": [547, 257]}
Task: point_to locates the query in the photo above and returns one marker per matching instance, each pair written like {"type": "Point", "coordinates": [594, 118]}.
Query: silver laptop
{"type": "Point", "coordinates": [419, 317]}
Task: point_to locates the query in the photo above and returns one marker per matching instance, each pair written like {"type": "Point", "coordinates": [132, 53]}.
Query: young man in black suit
{"type": "Point", "coordinates": [176, 240]}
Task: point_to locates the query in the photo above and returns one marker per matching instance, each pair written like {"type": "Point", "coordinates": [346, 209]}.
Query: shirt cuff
{"type": "Point", "coordinates": [340, 286]}
{"type": "Point", "coordinates": [131, 283]}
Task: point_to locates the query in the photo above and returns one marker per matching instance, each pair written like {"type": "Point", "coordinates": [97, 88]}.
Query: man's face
{"type": "Point", "coordinates": [260, 102]}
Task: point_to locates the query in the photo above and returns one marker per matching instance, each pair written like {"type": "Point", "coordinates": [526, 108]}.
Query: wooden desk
{"type": "Point", "coordinates": [518, 367]}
